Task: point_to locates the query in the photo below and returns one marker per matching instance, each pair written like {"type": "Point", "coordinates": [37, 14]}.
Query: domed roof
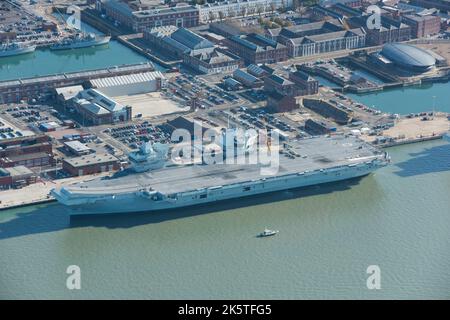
{"type": "Point", "coordinates": [408, 56]}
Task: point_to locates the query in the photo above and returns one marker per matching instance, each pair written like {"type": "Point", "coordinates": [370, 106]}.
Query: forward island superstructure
{"type": "Point", "coordinates": [304, 162]}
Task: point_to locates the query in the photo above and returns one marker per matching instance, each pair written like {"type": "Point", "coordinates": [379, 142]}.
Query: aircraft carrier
{"type": "Point", "coordinates": [302, 163]}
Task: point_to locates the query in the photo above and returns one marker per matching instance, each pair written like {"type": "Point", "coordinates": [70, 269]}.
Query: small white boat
{"type": "Point", "coordinates": [268, 233]}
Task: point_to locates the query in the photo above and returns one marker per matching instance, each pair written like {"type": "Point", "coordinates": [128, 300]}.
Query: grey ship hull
{"type": "Point", "coordinates": [323, 160]}
{"type": "Point", "coordinates": [81, 44]}
{"type": "Point", "coordinates": [141, 204]}
{"type": "Point", "coordinates": [18, 51]}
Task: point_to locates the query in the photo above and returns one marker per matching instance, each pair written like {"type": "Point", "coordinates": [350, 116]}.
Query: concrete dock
{"type": "Point", "coordinates": [37, 193]}
{"type": "Point", "coordinates": [412, 130]}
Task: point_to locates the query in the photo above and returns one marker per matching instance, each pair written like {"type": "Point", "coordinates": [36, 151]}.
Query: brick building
{"type": "Point", "coordinates": [438, 4]}
{"type": "Point", "coordinates": [305, 81]}
{"type": "Point", "coordinates": [256, 49]}
{"type": "Point", "coordinates": [217, 61]}
{"type": "Point", "coordinates": [16, 177]}
{"type": "Point", "coordinates": [275, 83]}
{"type": "Point", "coordinates": [278, 102]}
{"type": "Point", "coordinates": [328, 110]}
{"type": "Point", "coordinates": [95, 108]}
{"type": "Point", "coordinates": [422, 26]}
{"type": "Point", "coordinates": [90, 164]}
{"type": "Point", "coordinates": [391, 30]}
{"type": "Point", "coordinates": [35, 151]}
{"type": "Point", "coordinates": [139, 20]}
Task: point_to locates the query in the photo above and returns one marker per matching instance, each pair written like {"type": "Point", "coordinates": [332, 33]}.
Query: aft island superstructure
{"type": "Point", "coordinates": [302, 163]}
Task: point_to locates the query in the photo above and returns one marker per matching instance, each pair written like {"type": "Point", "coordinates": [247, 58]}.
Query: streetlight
{"type": "Point", "coordinates": [434, 104]}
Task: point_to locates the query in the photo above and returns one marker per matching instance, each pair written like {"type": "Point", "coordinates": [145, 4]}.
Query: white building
{"type": "Point", "coordinates": [328, 42]}
{"type": "Point", "coordinates": [97, 108]}
{"type": "Point", "coordinates": [130, 84]}
{"type": "Point", "coordinates": [237, 8]}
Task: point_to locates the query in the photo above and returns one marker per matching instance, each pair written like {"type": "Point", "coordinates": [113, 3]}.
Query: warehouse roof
{"type": "Point", "coordinates": [98, 100]}
{"type": "Point", "coordinates": [126, 79]}
{"type": "Point", "coordinates": [15, 171]}
{"type": "Point", "coordinates": [256, 71]}
{"type": "Point", "coordinates": [69, 92]}
{"type": "Point", "coordinates": [191, 40]}
{"type": "Point", "coordinates": [90, 160]}
{"type": "Point", "coordinates": [120, 6]}
{"type": "Point", "coordinates": [77, 146]}
{"type": "Point", "coordinates": [244, 76]}
{"type": "Point", "coordinates": [280, 80]}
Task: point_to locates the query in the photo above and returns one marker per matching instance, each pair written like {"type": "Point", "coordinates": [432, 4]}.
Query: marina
{"type": "Point", "coordinates": [48, 62]}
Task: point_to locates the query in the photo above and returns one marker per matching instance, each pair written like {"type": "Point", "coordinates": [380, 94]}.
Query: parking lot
{"type": "Point", "coordinates": [8, 130]}
{"type": "Point", "coordinates": [207, 94]}
{"type": "Point", "coordinates": [133, 135]}
{"type": "Point", "coordinates": [31, 117]}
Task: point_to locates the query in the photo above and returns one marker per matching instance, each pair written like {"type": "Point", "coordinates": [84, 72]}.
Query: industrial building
{"type": "Point", "coordinates": [196, 51]}
{"type": "Point", "coordinates": [438, 4]}
{"type": "Point", "coordinates": [257, 71]}
{"type": "Point", "coordinates": [225, 29]}
{"type": "Point", "coordinates": [96, 108]}
{"type": "Point", "coordinates": [140, 20]}
{"type": "Point", "coordinates": [138, 83]}
{"type": "Point", "coordinates": [178, 41]}
{"type": "Point", "coordinates": [64, 94]}
{"type": "Point", "coordinates": [232, 84]}
{"type": "Point", "coordinates": [278, 102]}
{"type": "Point", "coordinates": [255, 49]}
{"type": "Point", "coordinates": [33, 151]}
{"type": "Point", "coordinates": [422, 26]}
{"type": "Point", "coordinates": [13, 91]}
{"type": "Point", "coordinates": [217, 61]}
{"type": "Point", "coordinates": [77, 148]}
{"type": "Point", "coordinates": [308, 84]}
{"type": "Point", "coordinates": [185, 123]}
{"type": "Point", "coordinates": [49, 126]}
{"type": "Point", "coordinates": [16, 177]}
{"type": "Point", "coordinates": [328, 110]}
{"type": "Point", "coordinates": [281, 85]}
{"type": "Point", "coordinates": [283, 93]}
{"type": "Point", "coordinates": [247, 79]}
{"type": "Point", "coordinates": [90, 164]}
{"type": "Point", "coordinates": [316, 127]}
